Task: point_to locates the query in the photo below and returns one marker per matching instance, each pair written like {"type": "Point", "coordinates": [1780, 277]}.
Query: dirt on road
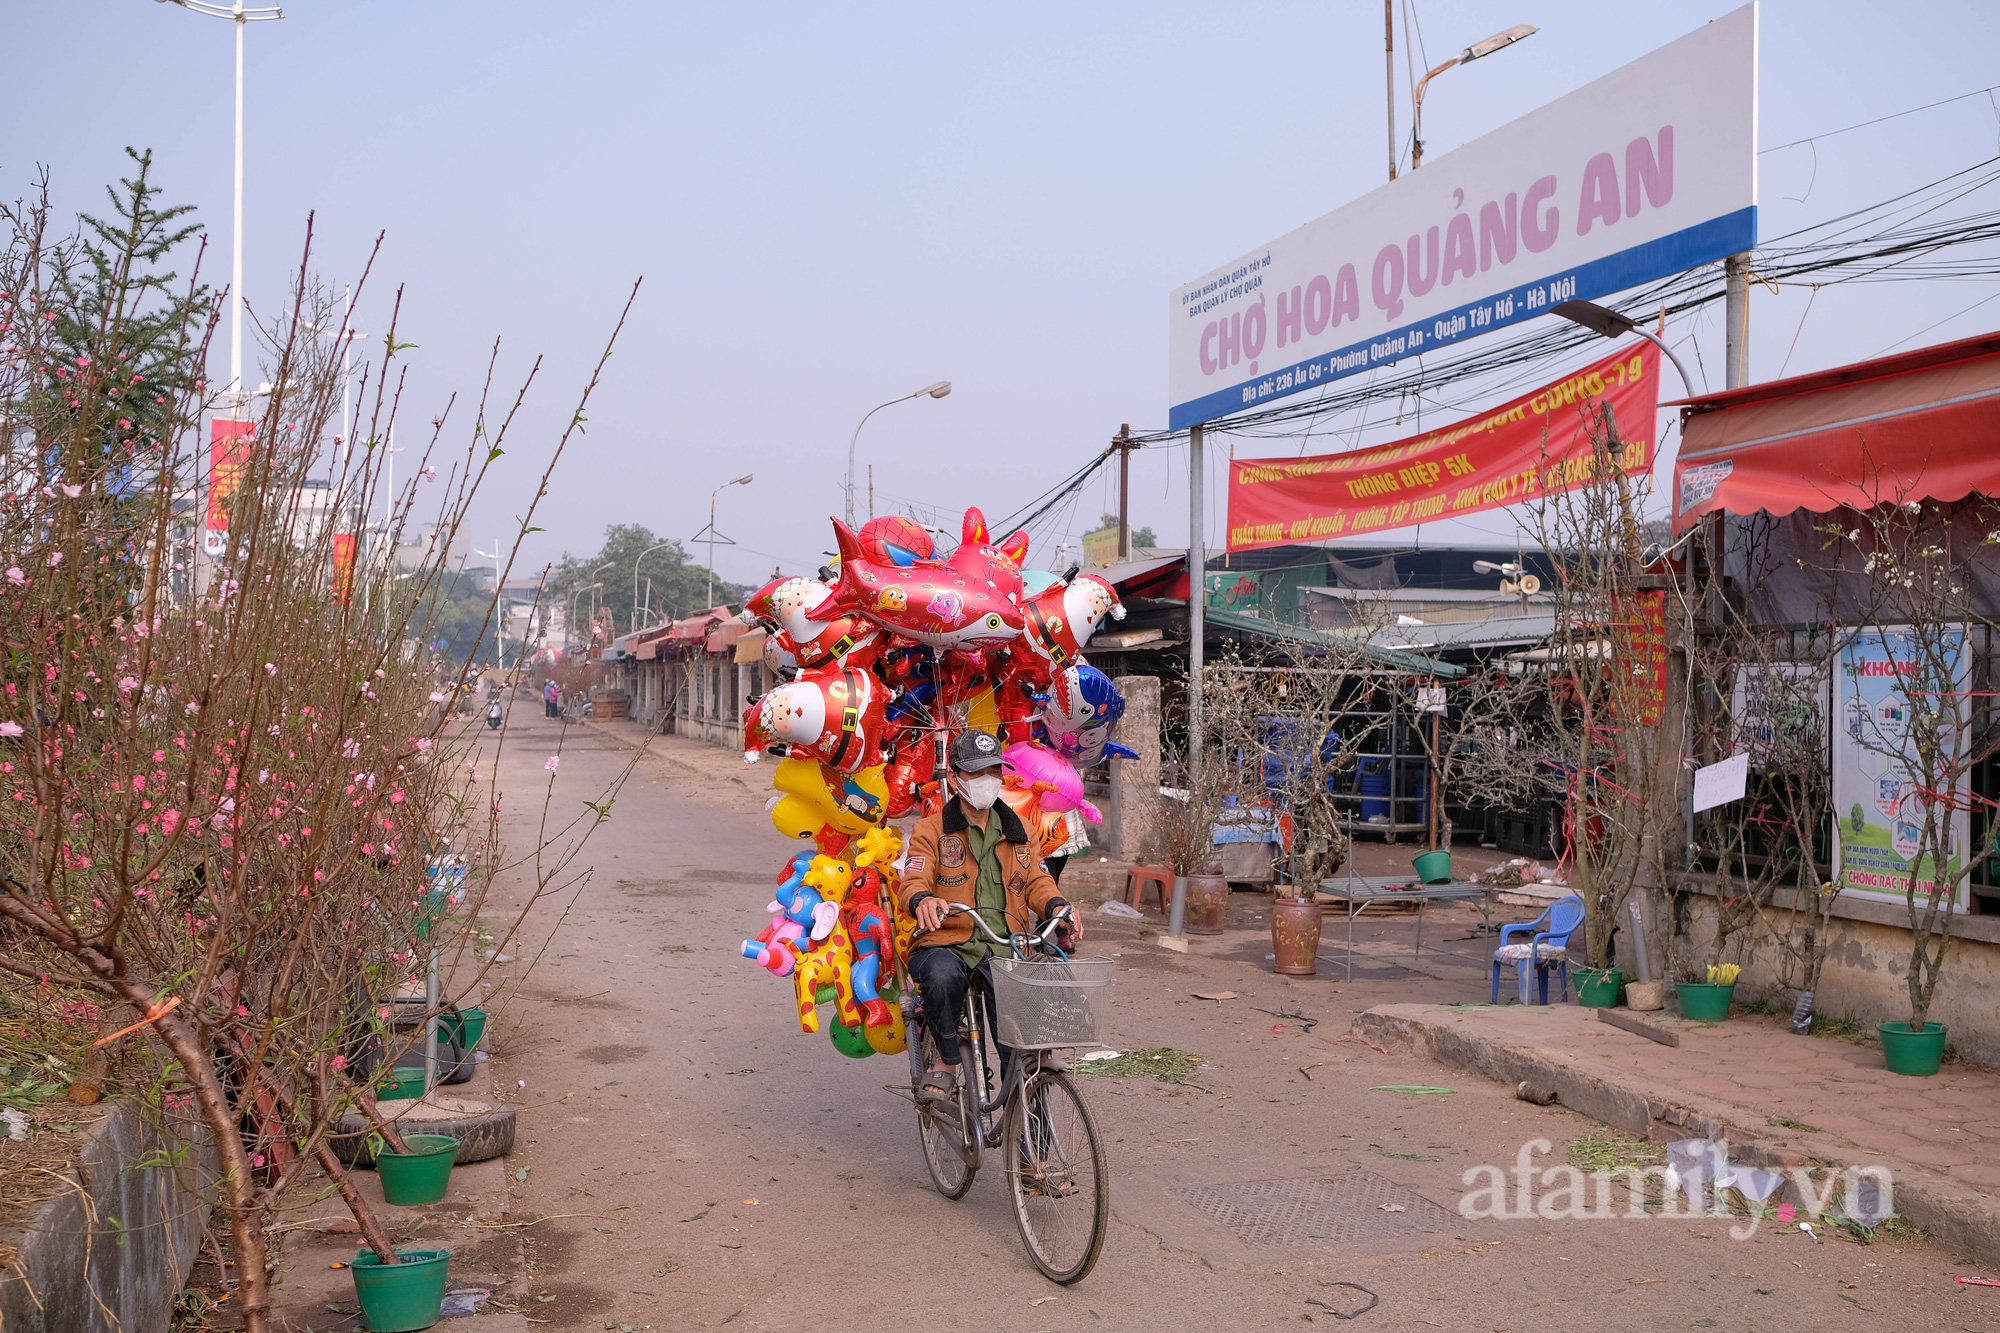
{"type": "Point", "coordinates": [703, 1164]}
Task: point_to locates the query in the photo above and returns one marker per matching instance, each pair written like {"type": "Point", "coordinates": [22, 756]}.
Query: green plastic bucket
{"type": "Point", "coordinates": [467, 1025]}
{"type": "Point", "coordinates": [1917, 1054]}
{"type": "Point", "coordinates": [400, 1297]}
{"type": "Point", "coordinates": [1598, 990]}
{"type": "Point", "coordinates": [1433, 867]}
{"type": "Point", "coordinates": [431, 910]}
{"type": "Point", "coordinates": [1704, 1001]}
{"type": "Point", "coordinates": [400, 1084]}
{"type": "Point", "coordinates": [419, 1175]}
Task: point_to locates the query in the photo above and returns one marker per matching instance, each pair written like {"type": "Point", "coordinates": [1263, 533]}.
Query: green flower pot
{"type": "Point", "coordinates": [1433, 867]}
{"type": "Point", "coordinates": [1703, 1001]}
{"type": "Point", "coordinates": [419, 1175]}
{"type": "Point", "coordinates": [401, 1084]}
{"type": "Point", "coordinates": [471, 1025]}
{"type": "Point", "coordinates": [1908, 1051]}
{"type": "Point", "coordinates": [400, 1297]}
{"type": "Point", "coordinates": [1598, 990]}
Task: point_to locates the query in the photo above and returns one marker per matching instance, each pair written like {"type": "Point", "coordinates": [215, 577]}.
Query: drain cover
{"type": "Point", "coordinates": [1299, 1212]}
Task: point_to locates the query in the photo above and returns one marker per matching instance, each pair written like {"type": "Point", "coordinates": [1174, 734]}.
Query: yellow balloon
{"type": "Point", "coordinates": [983, 712]}
{"type": "Point", "coordinates": [851, 802]}
{"type": "Point", "coordinates": [797, 819]}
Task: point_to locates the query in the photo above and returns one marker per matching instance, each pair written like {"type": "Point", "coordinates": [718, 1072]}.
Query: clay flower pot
{"type": "Point", "coordinates": [1207, 896]}
{"type": "Point", "coordinates": [1295, 937]}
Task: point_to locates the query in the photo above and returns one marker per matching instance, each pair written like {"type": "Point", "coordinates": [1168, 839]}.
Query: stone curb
{"type": "Point", "coordinates": [1963, 1219]}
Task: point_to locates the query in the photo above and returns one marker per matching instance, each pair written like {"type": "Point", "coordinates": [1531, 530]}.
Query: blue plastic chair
{"type": "Point", "coordinates": [1551, 928]}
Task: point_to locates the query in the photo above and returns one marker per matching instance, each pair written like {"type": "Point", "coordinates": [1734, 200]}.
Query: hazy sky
{"type": "Point", "coordinates": [836, 205]}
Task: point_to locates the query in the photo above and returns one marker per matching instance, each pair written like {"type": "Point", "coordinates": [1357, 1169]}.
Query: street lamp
{"type": "Point", "coordinates": [570, 629]}
{"type": "Point", "coordinates": [346, 335]}
{"type": "Point", "coordinates": [711, 536]}
{"type": "Point", "coordinates": [1610, 324]}
{"type": "Point", "coordinates": [938, 390]}
{"type": "Point", "coordinates": [238, 15]}
{"type": "Point", "coordinates": [499, 604]}
{"type": "Point", "coordinates": [635, 572]}
{"type": "Point", "coordinates": [1496, 42]}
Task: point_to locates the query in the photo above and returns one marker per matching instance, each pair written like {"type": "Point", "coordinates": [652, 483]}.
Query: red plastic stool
{"type": "Point", "coordinates": [1136, 880]}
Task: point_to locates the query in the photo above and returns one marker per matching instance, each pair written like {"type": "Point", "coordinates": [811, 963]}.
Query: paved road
{"type": "Point", "coordinates": [707, 1164]}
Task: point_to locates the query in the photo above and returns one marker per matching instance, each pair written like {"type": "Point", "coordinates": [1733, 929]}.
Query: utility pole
{"type": "Point", "coordinates": [1736, 321]}
{"type": "Point", "coordinates": [1197, 565]}
{"type": "Point", "coordinates": [1389, 68]}
{"type": "Point", "coordinates": [1122, 442]}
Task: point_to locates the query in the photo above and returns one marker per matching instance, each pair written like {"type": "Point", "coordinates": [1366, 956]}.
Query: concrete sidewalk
{"type": "Point", "coordinates": [1780, 1100]}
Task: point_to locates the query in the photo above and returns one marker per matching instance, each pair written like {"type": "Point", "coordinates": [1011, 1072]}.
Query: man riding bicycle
{"type": "Point", "coordinates": [974, 853]}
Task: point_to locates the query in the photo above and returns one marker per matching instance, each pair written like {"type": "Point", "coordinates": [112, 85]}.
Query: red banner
{"type": "Point", "coordinates": [343, 567]}
{"type": "Point", "coordinates": [1535, 445]}
{"type": "Point", "coordinates": [228, 458]}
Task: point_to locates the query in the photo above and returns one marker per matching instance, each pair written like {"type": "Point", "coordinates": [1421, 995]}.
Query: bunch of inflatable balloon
{"type": "Point", "coordinates": [882, 667]}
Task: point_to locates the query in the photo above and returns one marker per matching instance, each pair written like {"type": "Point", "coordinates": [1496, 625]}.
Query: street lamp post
{"type": "Point", "coordinates": [1610, 324]}
{"type": "Point", "coordinates": [1496, 42]}
{"type": "Point", "coordinates": [660, 546]}
{"type": "Point", "coordinates": [938, 390]}
{"type": "Point", "coordinates": [240, 16]}
{"type": "Point", "coordinates": [570, 629]}
{"type": "Point", "coordinates": [711, 536]}
{"type": "Point", "coordinates": [499, 604]}
{"type": "Point", "coordinates": [345, 335]}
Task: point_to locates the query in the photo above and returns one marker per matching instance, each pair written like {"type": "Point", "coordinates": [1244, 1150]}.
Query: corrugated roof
{"type": "Point", "coordinates": [1235, 622]}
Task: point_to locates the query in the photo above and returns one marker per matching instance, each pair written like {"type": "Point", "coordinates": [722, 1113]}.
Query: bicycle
{"type": "Point", "coordinates": [1042, 1001]}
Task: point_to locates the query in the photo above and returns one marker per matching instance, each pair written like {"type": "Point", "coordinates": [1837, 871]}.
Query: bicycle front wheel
{"type": "Point", "coordinates": [1057, 1175]}
{"type": "Point", "coordinates": [944, 1131]}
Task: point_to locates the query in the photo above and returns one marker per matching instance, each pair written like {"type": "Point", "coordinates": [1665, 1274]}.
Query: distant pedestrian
{"type": "Point", "coordinates": [552, 700]}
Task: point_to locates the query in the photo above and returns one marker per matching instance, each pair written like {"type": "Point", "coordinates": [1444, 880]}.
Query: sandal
{"type": "Point", "coordinates": [938, 1085]}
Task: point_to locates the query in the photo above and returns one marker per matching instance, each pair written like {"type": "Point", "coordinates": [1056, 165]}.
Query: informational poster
{"type": "Point", "coordinates": [1778, 712]}
{"type": "Point", "coordinates": [1100, 548]}
{"type": "Point", "coordinates": [1879, 801]}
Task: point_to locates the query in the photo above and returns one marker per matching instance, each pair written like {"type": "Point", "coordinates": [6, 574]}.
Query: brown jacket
{"type": "Point", "coordinates": [940, 862]}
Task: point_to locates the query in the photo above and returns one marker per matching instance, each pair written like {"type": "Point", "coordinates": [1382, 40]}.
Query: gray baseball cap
{"type": "Point", "coordinates": [972, 751]}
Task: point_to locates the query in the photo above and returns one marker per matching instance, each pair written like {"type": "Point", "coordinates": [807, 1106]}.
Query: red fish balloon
{"type": "Point", "coordinates": [1061, 620]}
{"type": "Point", "coordinates": [971, 601]}
{"type": "Point", "coordinates": [832, 716]}
{"type": "Point", "coordinates": [843, 641]}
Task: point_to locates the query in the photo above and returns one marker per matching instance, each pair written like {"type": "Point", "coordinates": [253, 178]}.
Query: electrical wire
{"type": "Point", "coordinates": [1862, 125]}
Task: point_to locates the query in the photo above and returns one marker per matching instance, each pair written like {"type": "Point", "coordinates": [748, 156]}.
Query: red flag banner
{"type": "Point", "coordinates": [343, 567]}
{"type": "Point", "coordinates": [228, 457]}
{"type": "Point", "coordinates": [1529, 447]}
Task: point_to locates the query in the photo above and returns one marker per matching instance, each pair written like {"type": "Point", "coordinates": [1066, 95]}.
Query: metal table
{"type": "Point", "coordinates": [1360, 891]}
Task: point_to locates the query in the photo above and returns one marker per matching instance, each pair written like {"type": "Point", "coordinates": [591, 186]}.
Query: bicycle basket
{"type": "Point", "coordinates": [1048, 1003]}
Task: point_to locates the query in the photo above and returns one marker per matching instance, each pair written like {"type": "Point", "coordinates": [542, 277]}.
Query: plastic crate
{"type": "Point", "coordinates": [1044, 1004]}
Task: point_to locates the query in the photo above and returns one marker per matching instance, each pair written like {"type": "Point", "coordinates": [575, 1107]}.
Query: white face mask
{"type": "Point", "coordinates": [979, 792]}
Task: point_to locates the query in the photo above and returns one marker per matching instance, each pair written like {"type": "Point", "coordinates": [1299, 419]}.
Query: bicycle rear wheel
{"type": "Point", "coordinates": [1057, 1176]}
{"type": "Point", "coordinates": [943, 1129]}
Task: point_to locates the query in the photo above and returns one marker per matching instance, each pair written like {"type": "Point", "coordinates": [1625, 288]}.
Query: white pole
{"type": "Point", "coordinates": [346, 372]}
{"type": "Point", "coordinates": [236, 263]}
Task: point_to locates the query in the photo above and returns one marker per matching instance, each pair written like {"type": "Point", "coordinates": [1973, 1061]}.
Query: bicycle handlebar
{"type": "Point", "coordinates": [1040, 936]}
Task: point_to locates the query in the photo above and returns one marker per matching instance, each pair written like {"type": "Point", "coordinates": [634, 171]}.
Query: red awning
{"type": "Point", "coordinates": [1918, 425]}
